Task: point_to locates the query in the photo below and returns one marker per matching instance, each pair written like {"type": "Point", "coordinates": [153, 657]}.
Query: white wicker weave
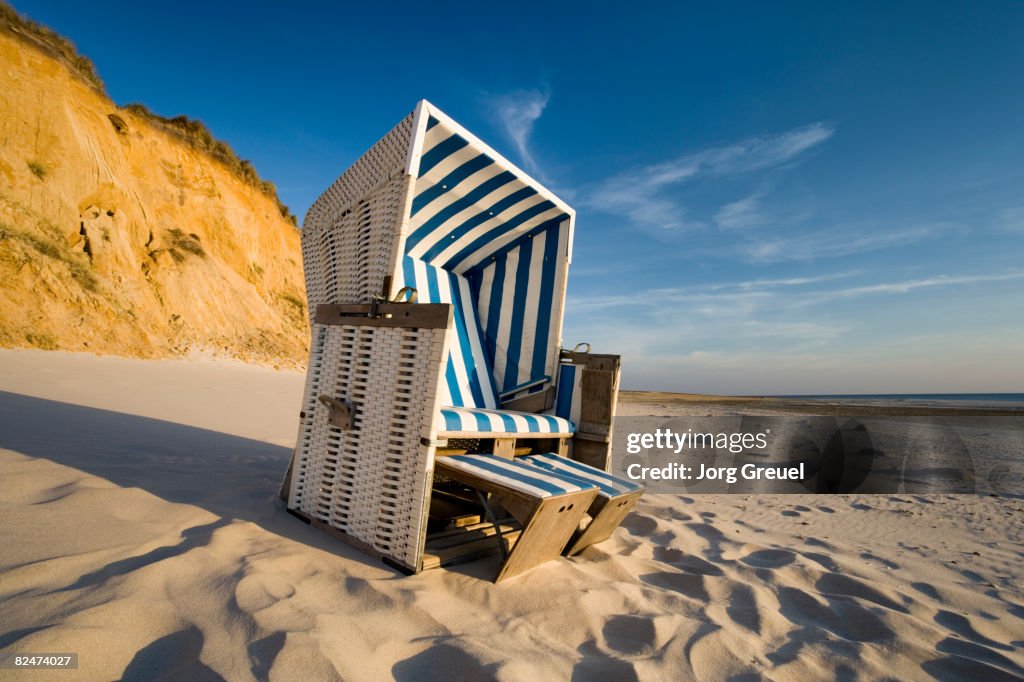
{"type": "Point", "coordinates": [351, 233]}
{"type": "Point", "coordinates": [370, 482]}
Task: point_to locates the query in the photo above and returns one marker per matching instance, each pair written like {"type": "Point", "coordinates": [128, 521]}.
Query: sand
{"type": "Point", "coordinates": [140, 529]}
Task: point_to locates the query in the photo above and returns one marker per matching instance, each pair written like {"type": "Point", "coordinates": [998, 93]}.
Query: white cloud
{"type": "Point", "coordinates": [517, 112]}
{"type": "Point", "coordinates": [1011, 220]}
{"type": "Point", "coordinates": [781, 336]}
{"type": "Point", "coordinates": [837, 241]}
{"type": "Point", "coordinates": [741, 214]}
{"type": "Point", "coordinates": [639, 193]}
{"type": "Point", "coordinates": [911, 285]}
{"type": "Point", "coordinates": [786, 282]}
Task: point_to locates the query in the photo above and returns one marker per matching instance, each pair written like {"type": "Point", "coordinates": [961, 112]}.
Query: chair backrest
{"type": "Point", "coordinates": [468, 378]}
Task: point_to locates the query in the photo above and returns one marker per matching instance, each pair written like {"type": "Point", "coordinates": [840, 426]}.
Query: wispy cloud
{"type": "Point", "coordinates": [1011, 220]}
{"type": "Point", "coordinates": [835, 241]}
{"type": "Point", "coordinates": [672, 335]}
{"type": "Point", "coordinates": [785, 282]}
{"type": "Point", "coordinates": [741, 214]}
{"type": "Point", "coordinates": [914, 284]}
{"type": "Point", "coordinates": [517, 112]}
{"type": "Point", "coordinates": [738, 298]}
{"type": "Point", "coordinates": [642, 194]}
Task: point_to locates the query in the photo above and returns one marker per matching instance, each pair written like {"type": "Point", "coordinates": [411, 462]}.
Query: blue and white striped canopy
{"type": "Point", "coordinates": [484, 236]}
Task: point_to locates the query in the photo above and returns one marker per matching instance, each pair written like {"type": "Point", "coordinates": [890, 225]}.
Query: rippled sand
{"type": "Point", "coordinates": [140, 529]}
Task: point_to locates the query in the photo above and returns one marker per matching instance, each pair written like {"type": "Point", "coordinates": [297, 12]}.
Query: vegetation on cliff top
{"type": "Point", "coordinates": [191, 131]}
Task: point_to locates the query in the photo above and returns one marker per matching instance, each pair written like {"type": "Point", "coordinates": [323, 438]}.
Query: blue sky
{"type": "Point", "coordinates": [771, 198]}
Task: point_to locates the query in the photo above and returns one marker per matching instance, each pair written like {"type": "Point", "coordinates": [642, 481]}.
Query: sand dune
{"type": "Point", "coordinates": [141, 530]}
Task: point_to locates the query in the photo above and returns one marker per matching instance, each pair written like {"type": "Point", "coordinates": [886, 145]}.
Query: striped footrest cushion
{"type": "Point", "coordinates": [571, 470]}
{"type": "Point", "coordinates": [529, 480]}
{"type": "Point", "coordinates": [479, 420]}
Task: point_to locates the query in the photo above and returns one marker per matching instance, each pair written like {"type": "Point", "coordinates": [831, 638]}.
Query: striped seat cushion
{"type": "Point", "coordinates": [514, 475]}
{"type": "Point", "coordinates": [477, 420]}
{"type": "Point", "coordinates": [577, 472]}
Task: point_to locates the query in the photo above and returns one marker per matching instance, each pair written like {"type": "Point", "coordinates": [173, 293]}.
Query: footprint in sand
{"type": "Point", "coordinates": [868, 556]}
{"type": "Point", "coordinates": [630, 635]}
{"type": "Point", "coordinates": [842, 616]}
{"type": "Point", "coordinates": [967, 660]}
{"type": "Point", "coordinates": [824, 560]}
{"type": "Point", "coordinates": [769, 558]}
{"type": "Point", "coordinates": [367, 594]}
{"type": "Point", "coordinates": [817, 543]}
{"type": "Point", "coordinates": [689, 563]}
{"type": "Point", "coordinates": [961, 626]}
{"type": "Point", "coordinates": [597, 665]}
{"type": "Point", "coordinates": [844, 585]}
{"type": "Point", "coordinates": [443, 662]}
{"type": "Point", "coordinates": [687, 584]}
{"type": "Point", "coordinates": [259, 591]}
{"type": "Point", "coordinates": [927, 590]}
{"type": "Point", "coordinates": [639, 525]}
{"type": "Point", "coordinates": [742, 609]}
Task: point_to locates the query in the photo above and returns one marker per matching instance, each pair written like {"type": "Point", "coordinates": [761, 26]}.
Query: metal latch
{"type": "Point", "coordinates": [340, 412]}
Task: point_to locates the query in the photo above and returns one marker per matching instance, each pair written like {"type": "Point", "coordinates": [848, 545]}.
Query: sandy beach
{"type": "Point", "coordinates": [141, 529]}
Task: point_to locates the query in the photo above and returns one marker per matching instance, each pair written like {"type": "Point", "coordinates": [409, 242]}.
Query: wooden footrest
{"type": "Point", "coordinates": [548, 507]}
{"type": "Point", "coordinates": [615, 498]}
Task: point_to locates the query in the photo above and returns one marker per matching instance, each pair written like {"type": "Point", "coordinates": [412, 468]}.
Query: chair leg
{"type": "Point", "coordinates": [607, 515]}
{"type": "Point", "coordinates": [546, 531]}
{"type": "Point", "coordinates": [489, 515]}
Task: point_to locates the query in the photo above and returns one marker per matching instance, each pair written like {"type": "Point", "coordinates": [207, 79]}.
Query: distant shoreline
{"type": "Point", "coordinates": [865, 406]}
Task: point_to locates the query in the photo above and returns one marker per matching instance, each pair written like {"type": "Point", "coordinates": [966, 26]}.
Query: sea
{"type": "Point", "coordinates": [972, 400]}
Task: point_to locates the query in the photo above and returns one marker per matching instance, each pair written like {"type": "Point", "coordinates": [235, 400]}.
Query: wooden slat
{"type": "Point", "coordinates": [457, 536]}
{"type": "Point", "coordinates": [598, 387]}
{"type": "Point", "coordinates": [452, 512]}
{"type": "Point", "coordinates": [505, 447]}
{"type": "Point", "coordinates": [599, 361]}
{"type": "Point", "coordinates": [413, 315]}
{"type": "Point", "coordinates": [595, 437]}
{"type": "Point", "coordinates": [594, 453]}
{"type": "Point", "coordinates": [532, 402]}
{"type": "Point", "coordinates": [467, 544]}
{"type": "Point", "coordinates": [594, 428]}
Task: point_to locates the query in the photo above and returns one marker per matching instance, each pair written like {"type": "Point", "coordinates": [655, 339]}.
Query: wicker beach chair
{"type": "Point", "coordinates": [436, 274]}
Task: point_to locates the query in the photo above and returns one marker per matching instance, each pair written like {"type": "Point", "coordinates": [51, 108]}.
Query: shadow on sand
{"type": "Point", "coordinates": [230, 476]}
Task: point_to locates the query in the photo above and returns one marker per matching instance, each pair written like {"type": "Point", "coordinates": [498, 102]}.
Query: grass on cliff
{"type": "Point", "coordinates": [79, 270]}
{"type": "Point", "coordinates": [188, 243]}
{"type": "Point", "coordinates": [51, 43]}
{"type": "Point", "coordinates": [195, 133]}
{"type": "Point", "coordinates": [189, 130]}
